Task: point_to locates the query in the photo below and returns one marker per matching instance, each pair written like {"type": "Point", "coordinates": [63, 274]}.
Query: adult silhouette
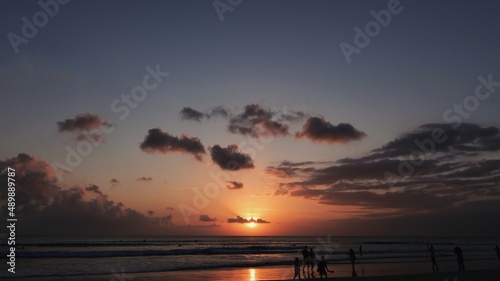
{"type": "Point", "coordinates": [460, 258]}
{"type": "Point", "coordinates": [435, 267]}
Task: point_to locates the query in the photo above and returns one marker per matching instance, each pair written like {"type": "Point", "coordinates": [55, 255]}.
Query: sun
{"type": "Point", "coordinates": [251, 224]}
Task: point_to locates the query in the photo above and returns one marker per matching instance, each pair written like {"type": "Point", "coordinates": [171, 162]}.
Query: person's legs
{"type": "Point", "coordinates": [461, 266]}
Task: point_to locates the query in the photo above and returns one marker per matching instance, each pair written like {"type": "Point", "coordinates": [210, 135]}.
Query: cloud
{"type": "Point", "coordinates": [85, 126]}
{"type": "Point", "coordinates": [206, 218]}
{"type": "Point", "coordinates": [445, 175]}
{"type": "Point", "coordinates": [94, 188]}
{"type": "Point", "coordinates": [206, 225]}
{"type": "Point", "coordinates": [318, 129]}
{"type": "Point", "coordinates": [47, 208]}
{"type": "Point", "coordinates": [170, 208]}
{"type": "Point", "coordinates": [218, 111]}
{"type": "Point", "coordinates": [145, 179]}
{"type": "Point", "coordinates": [242, 220]}
{"type": "Point", "coordinates": [187, 113]}
{"type": "Point", "coordinates": [440, 139]}
{"type": "Point", "coordinates": [234, 185]}
{"type": "Point", "coordinates": [114, 182]}
{"type": "Point", "coordinates": [468, 219]}
{"type": "Point", "coordinates": [256, 121]}
{"type": "Point", "coordinates": [287, 169]}
{"type": "Point", "coordinates": [162, 142]}
{"type": "Point", "coordinates": [230, 158]}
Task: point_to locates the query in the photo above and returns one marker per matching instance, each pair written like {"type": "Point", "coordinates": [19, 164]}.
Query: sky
{"type": "Point", "coordinates": [238, 117]}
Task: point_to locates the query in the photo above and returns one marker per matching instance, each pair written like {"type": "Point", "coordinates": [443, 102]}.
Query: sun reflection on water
{"type": "Point", "coordinates": [252, 274]}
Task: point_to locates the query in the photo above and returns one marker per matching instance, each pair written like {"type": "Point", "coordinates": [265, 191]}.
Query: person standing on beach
{"type": "Point", "coordinates": [361, 250]}
{"type": "Point", "coordinates": [352, 257]}
{"type": "Point", "coordinates": [305, 255]}
{"type": "Point", "coordinates": [312, 260]}
{"type": "Point", "coordinates": [322, 268]}
{"type": "Point", "coordinates": [435, 267]}
{"type": "Point", "coordinates": [296, 266]}
{"type": "Point", "coordinates": [498, 252]}
{"type": "Point", "coordinates": [460, 258]}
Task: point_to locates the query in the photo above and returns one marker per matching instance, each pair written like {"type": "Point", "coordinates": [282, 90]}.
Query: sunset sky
{"type": "Point", "coordinates": [249, 118]}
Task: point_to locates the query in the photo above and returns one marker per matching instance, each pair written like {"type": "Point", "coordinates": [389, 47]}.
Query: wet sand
{"type": "Point", "coordinates": [365, 272]}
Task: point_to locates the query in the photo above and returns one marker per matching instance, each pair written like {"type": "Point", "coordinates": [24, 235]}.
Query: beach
{"type": "Point", "coordinates": [264, 274]}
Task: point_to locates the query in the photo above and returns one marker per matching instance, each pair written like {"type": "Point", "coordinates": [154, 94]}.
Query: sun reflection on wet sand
{"type": "Point", "coordinates": [252, 274]}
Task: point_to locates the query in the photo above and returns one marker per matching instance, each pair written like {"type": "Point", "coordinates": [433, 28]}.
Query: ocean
{"type": "Point", "coordinates": [65, 256]}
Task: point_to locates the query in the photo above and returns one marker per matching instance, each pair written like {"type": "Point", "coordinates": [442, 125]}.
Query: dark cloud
{"type": "Point", "coordinates": [170, 208]}
{"type": "Point", "coordinates": [145, 179]}
{"type": "Point", "coordinates": [409, 199]}
{"type": "Point", "coordinates": [287, 169]}
{"type": "Point", "coordinates": [162, 142]}
{"type": "Point", "coordinates": [242, 220]}
{"type": "Point", "coordinates": [94, 188]}
{"type": "Point", "coordinates": [388, 181]}
{"type": "Point", "coordinates": [318, 129]}
{"type": "Point", "coordinates": [187, 113]}
{"type": "Point", "coordinates": [206, 218]}
{"type": "Point", "coordinates": [206, 225]}
{"type": "Point", "coordinates": [218, 111]}
{"type": "Point", "coordinates": [47, 208]}
{"type": "Point", "coordinates": [257, 121]}
{"type": "Point", "coordinates": [85, 126]}
{"type": "Point", "coordinates": [230, 158]}
{"type": "Point", "coordinates": [234, 185]}
{"type": "Point", "coordinates": [254, 121]}
{"type": "Point", "coordinates": [114, 183]}
{"type": "Point", "coordinates": [468, 139]}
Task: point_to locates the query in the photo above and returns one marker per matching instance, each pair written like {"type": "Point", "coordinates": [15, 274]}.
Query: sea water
{"type": "Point", "coordinates": [60, 256]}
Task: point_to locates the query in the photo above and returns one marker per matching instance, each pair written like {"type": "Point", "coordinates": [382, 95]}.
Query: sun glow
{"type": "Point", "coordinates": [251, 224]}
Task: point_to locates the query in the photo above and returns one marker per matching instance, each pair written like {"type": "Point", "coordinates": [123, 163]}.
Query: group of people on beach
{"type": "Point", "coordinates": [458, 252]}
{"type": "Point", "coordinates": [309, 261]}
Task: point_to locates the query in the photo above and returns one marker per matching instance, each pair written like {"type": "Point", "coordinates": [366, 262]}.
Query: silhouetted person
{"type": "Point", "coordinates": [361, 250]}
{"type": "Point", "coordinates": [322, 268]}
{"type": "Point", "coordinates": [498, 252]}
{"type": "Point", "coordinates": [352, 257]}
{"type": "Point", "coordinates": [460, 258]}
{"type": "Point", "coordinates": [312, 260]}
{"type": "Point", "coordinates": [296, 266]}
{"type": "Point", "coordinates": [435, 266]}
{"type": "Point", "coordinates": [354, 273]}
{"type": "Point", "coordinates": [305, 255]}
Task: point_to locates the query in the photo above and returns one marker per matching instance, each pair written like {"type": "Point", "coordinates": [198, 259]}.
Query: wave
{"type": "Point", "coordinates": [174, 252]}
